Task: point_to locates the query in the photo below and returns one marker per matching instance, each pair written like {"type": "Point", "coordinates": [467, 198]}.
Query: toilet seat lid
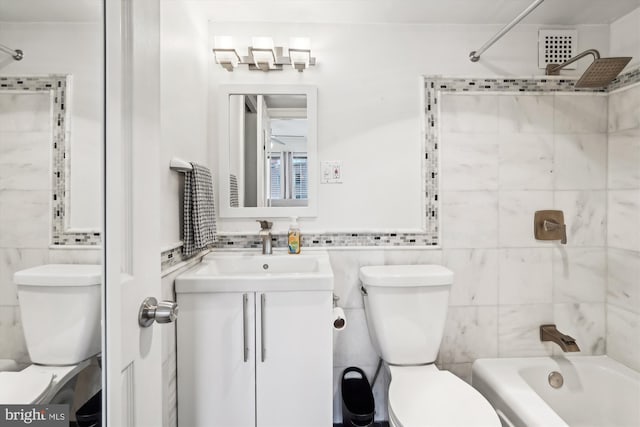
{"type": "Point", "coordinates": [424, 396]}
{"type": "Point", "coordinates": [23, 388]}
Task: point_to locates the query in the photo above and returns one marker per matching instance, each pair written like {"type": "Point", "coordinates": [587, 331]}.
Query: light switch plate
{"type": "Point", "coordinates": [331, 171]}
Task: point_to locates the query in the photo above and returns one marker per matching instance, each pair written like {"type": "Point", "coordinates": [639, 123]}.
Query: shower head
{"type": "Point", "coordinates": [600, 73]}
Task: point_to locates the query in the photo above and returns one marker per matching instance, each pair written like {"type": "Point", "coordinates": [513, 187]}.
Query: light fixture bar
{"type": "Point", "coordinates": [264, 58]}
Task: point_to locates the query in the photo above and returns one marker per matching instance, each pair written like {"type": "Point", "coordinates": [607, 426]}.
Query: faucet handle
{"type": "Point", "coordinates": [264, 224]}
{"type": "Point", "coordinates": [551, 225]}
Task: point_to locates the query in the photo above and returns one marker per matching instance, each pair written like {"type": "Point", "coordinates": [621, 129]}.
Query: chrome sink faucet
{"type": "Point", "coordinates": [265, 235]}
{"type": "Point", "coordinates": [551, 333]}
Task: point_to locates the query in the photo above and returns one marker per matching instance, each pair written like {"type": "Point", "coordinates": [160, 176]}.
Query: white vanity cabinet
{"type": "Point", "coordinates": [260, 359]}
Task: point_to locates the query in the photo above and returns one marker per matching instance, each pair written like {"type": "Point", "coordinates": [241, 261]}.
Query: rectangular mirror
{"type": "Point", "coordinates": [267, 151]}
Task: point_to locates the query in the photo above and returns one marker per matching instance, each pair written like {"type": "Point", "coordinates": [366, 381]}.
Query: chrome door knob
{"type": "Point", "coordinates": [163, 312]}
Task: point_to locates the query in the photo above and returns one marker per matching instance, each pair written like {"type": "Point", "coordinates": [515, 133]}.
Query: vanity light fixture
{"type": "Point", "coordinates": [300, 53]}
{"type": "Point", "coordinates": [225, 54]}
{"type": "Point", "coordinates": [263, 55]}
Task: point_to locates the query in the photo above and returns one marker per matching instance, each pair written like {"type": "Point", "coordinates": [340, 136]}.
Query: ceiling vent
{"type": "Point", "coordinates": [556, 47]}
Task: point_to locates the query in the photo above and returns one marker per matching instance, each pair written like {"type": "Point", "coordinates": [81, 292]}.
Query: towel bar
{"type": "Point", "coordinates": [180, 165]}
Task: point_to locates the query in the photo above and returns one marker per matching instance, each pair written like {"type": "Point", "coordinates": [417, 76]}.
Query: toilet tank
{"type": "Point", "coordinates": [60, 312]}
{"type": "Point", "coordinates": [406, 309]}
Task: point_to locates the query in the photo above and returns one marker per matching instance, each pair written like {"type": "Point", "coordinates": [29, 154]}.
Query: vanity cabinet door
{"type": "Point", "coordinates": [294, 359]}
{"type": "Point", "coordinates": [216, 360]}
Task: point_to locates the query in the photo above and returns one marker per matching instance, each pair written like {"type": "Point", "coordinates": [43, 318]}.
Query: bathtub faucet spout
{"type": "Point", "coordinates": [551, 333]}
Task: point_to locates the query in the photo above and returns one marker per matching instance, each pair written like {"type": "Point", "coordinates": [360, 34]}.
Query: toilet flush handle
{"type": "Point", "coordinates": [161, 312]}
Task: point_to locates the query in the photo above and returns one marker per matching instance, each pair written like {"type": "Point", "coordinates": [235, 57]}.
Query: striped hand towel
{"type": "Point", "coordinates": [199, 210]}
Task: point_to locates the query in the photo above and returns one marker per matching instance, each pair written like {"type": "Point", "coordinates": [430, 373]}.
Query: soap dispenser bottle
{"type": "Point", "coordinates": [294, 236]}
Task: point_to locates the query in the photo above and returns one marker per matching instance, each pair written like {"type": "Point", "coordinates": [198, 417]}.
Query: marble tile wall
{"type": "Point", "coordinates": [531, 151]}
{"type": "Point", "coordinates": [623, 227]}
{"type": "Point", "coordinates": [25, 207]}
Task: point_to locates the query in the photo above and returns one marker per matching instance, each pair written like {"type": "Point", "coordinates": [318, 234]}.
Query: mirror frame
{"type": "Point", "coordinates": [226, 211]}
{"type": "Point", "coordinates": [58, 87]}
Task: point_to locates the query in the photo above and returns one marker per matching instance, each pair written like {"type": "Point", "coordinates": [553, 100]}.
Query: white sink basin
{"type": "Point", "coordinates": [252, 271]}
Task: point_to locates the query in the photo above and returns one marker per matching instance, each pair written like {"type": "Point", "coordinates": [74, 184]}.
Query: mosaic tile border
{"type": "Point", "coordinates": [59, 86]}
{"type": "Point", "coordinates": [626, 79]}
{"type": "Point", "coordinates": [171, 257]}
{"type": "Point", "coordinates": [174, 256]}
{"type": "Point", "coordinates": [315, 240]}
{"type": "Point", "coordinates": [434, 85]}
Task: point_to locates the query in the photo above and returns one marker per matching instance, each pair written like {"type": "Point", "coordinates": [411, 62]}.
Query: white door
{"type": "Point", "coordinates": [264, 148]}
{"type": "Point", "coordinates": [132, 369]}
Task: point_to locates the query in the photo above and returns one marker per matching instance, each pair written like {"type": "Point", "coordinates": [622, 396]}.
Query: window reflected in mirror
{"type": "Point", "coordinates": [268, 151]}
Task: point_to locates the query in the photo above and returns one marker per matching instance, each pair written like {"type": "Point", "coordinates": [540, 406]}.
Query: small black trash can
{"type": "Point", "coordinates": [358, 406]}
{"type": "Point", "coordinates": [90, 414]}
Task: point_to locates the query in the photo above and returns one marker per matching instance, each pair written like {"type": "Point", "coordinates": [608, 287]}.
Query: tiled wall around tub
{"type": "Point", "coordinates": [623, 227]}
{"type": "Point", "coordinates": [511, 155]}
{"type": "Point", "coordinates": [25, 189]}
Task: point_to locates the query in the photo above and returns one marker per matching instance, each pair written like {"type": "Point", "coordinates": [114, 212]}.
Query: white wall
{"type": "Point", "coordinates": [624, 38]}
{"type": "Point", "coordinates": [183, 108]}
{"type": "Point", "coordinates": [369, 105]}
{"type": "Point", "coordinates": [368, 99]}
{"type": "Point", "coordinates": [68, 48]}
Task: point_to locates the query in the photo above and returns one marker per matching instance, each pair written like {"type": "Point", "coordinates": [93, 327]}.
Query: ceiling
{"type": "Point", "coordinates": [550, 12]}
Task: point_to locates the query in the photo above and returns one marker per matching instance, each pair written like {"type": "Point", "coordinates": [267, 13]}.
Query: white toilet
{"type": "Point", "coordinates": [60, 311]}
{"type": "Point", "coordinates": [406, 309]}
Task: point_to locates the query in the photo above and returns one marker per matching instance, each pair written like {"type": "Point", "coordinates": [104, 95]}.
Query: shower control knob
{"type": "Point", "coordinates": [163, 312]}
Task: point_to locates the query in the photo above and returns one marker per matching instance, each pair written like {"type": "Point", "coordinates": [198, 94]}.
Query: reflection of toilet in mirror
{"type": "Point", "coordinates": [406, 309]}
{"type": "Point", "coordinates": [60, 312]}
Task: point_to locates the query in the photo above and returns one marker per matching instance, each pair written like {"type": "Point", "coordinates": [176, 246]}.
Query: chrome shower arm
{"type": "Point", "coordinates": [554, 69]}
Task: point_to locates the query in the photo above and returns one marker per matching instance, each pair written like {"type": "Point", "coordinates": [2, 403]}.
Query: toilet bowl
{"type": "Point", "coordinates": [60, 312]}
{"type": "Point", "coordinates": [38, 384]}
{"type": "Point", "coordinates": [406, 309]}
{"type": "Point", "coordinates": [421, 396]}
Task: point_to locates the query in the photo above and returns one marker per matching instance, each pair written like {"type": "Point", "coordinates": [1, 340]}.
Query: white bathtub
{"type": "Point", "coordinates": [597, 391]}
